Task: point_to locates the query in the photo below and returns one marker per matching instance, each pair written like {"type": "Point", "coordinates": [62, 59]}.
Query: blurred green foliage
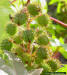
{"type": "Point", "coordinates": [4, 17]}
{"type": "Point", "coordinates": [63, 69]}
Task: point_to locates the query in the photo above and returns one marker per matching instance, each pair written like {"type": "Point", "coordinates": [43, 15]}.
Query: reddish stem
{"type": "Point", "coordinates": [28, 1]}
{"type": "Point", "coordinates": [58, 21]}
{"type": "Point", "coordinates": [28, 47]}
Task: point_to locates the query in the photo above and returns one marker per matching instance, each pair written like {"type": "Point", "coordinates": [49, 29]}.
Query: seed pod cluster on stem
{"type": "Point", "coordinates": [31, 45]}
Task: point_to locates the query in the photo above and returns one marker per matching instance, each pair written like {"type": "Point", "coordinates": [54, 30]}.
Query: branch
{"type": "Point", "coordinates": [58, 21]}
{"type": "Point", "coordinates": [28, 47]}
{"type": "Point", "coordinates": [29, 43]}
{"type": "Point", "coordinates": [28, 1]}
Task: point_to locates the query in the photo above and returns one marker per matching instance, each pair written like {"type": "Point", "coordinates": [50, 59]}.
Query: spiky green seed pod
{"type": "Point", "coordinates": [20, 18]}
{"type": "Point", "coordinates": [11, 29]}
{"type": "Point", "coordinates": [18, 39]}
{"type": "Point", "coordinates": [6, 45]}
{"type": "Point", "coordinates": [39, 32]}
{"type": "Point", "coordinates": [19, 51]}
{"type": "Point", "coordinates": [28, 36]}
{"type": "Point", "coordinates": [53, 65]}
{"type": "Point", "coordinates": [33, 9]}
{"type": "Point", "coordinates": [43, 40]}
{"type": "Point", "coordinates": [46, 68]}
{"type": "Point", "coordinates": [30, 68]}
{"type": "Point", "coordinates": [38, 60]}
{"type": "Point", "coordinates": [26, 58]}
{"type": "Point", "coordinates": [42, 20]}
{"type": "Point", "coordinates": [42, 53]}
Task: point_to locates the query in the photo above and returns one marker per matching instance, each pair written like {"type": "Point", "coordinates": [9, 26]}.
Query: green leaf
{"type": "Point", "coordinates": [65, 1]}
{"type": "Point", "coordinates": [61, 40]}
{"type": "Point", "coordinates": [58, 7]}
{"type": "Point", "coordinates": [53, 1]}
{"type": "Point", "coordinates": [16, 68]}
{"type": "Point", "coordinates": [63, 69]}
{"type": "Point", "coordinates": [4, 17]}
{"type": "Point", "coordinates": [4, 3]}
{"type": "Point", "coordinates": [63, 51]}
{"type": "Point", "coordinates": [36, 72]}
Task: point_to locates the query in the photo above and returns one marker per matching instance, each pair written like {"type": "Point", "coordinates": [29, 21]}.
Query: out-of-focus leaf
{"type": "Point", "coordinates": [4, 17]}
{"type": "Point", "coordinates": [3, 73]}
{"type": "Point", "coordinates": [63, 69]}
{"type": "Point", "coordinates": [15, 68]}
{"type": "Point", "coordinates": [17, 5]}
{"type": "Point", "coordinates": [65, 1]}
{"type": "Point", "coordinates": [36, 72]}
{"type": "Point", "coordinates": [43, 6]}
{"type": "Point", "coordinates": [63, 50]}
{"type": "Point", "coordinates": [55, 42]}
{"type": "Point", "coordinates": [6, 68]}
{"type": "Point", "coordinates": [58, 7]}
{"type": "Point", "coordinates": [53, 1]}
{"type": "Point", "coordinates": [64, 46]}
{"type": "Point", "coordinates": [59, 28]}
{"type": "Point", "coordinates": [61, 40]}
{"type": "Point", "coordinates": [18, 66]}
{"type": "Point", "coordinates": [4, 3]}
